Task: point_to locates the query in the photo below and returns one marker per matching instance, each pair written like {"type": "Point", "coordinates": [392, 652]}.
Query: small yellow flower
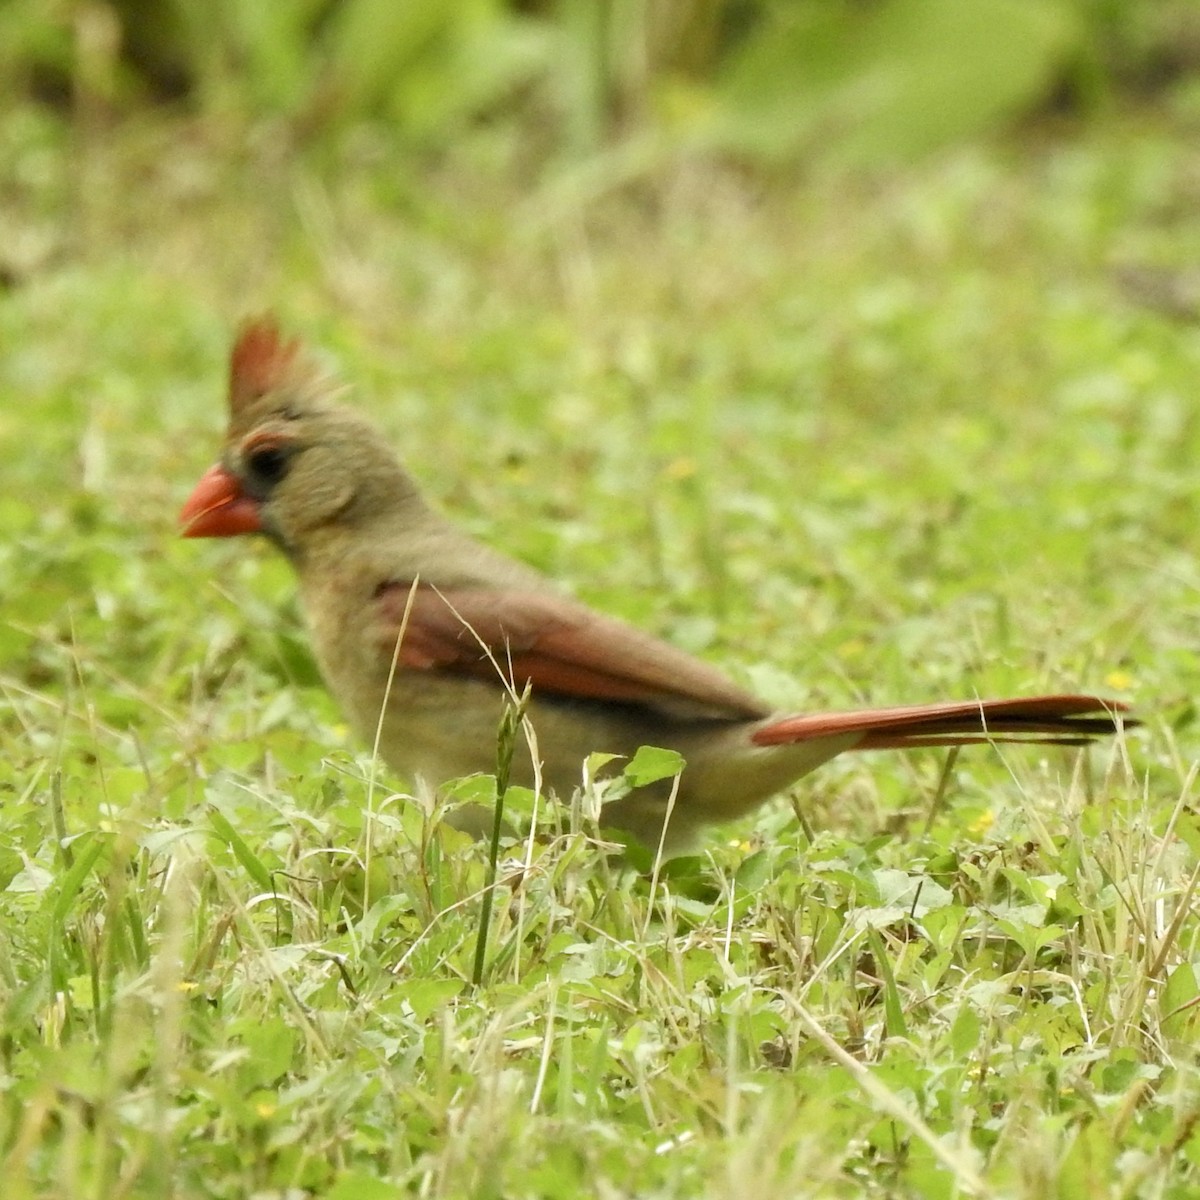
{"type": "Point", "coordinates": [1121, 680]}
{"type": "Point", "coordinates": [982, 823]}
{"type": "Point", "coordinates": [680, 468]}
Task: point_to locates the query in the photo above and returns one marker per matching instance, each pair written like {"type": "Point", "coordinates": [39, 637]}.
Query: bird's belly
{"type": "Point", "coordinates": [440, 727]}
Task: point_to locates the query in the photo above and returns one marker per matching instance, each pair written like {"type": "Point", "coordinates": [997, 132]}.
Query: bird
{"type": "Point", "coordinates": [424, 633]}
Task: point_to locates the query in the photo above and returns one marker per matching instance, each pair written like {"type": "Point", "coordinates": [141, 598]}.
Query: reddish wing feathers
{"type": "Point", "coordinates": [1070, 719]}
{"type": "Point", "coordinates": [261, 361]}
{"type": "Point", "coordinates": [561, 648]}
{"type": "Point", "coordinates": [566, 650]}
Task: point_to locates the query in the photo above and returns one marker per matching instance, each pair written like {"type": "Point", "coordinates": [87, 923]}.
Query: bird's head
{"type": "Point", "coordinates": [294, 462]}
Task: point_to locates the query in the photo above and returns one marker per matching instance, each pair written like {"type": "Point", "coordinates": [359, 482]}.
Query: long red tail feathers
{"type": "Point", "coordinates": [1047, 720]}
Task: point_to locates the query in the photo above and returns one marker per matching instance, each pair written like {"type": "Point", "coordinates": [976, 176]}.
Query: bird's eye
{"type": "Point", "coordinates": [267, 465]}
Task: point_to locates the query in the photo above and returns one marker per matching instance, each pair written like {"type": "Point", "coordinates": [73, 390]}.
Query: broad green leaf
{"type": "Point", "coordinates": [891, 79]}
{"type": "Point", "coordinates": [651, 764]}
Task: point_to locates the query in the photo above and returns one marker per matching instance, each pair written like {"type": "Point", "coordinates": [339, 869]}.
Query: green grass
{"type": "Point", "coordinates": [884, 438]}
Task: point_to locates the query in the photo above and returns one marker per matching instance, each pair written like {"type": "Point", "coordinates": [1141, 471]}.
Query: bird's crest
{"type": "Point", "coordinates": [262, 361]}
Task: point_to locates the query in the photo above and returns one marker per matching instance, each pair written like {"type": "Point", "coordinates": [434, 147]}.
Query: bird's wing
{"type": "Point", "coordinates": [510, 637]}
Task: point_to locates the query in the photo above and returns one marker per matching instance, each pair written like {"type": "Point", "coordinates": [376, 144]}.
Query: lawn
{"type": "Point", "coordinates": [880, 437]}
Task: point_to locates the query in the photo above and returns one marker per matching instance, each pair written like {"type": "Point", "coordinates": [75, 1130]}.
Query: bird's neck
{"type": "Point", "coordinates": [397, 542]}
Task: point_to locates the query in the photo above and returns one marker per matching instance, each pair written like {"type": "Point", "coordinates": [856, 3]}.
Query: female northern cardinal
{"type": "Point", "coordinates": [421, 631]}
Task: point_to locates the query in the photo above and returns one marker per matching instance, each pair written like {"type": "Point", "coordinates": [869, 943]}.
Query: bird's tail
{"type": "Point", "coordinates": [1049, 720]}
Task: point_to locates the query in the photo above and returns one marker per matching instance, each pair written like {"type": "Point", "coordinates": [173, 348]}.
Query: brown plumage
{"type": "Point", "coordinates": [374, 560]}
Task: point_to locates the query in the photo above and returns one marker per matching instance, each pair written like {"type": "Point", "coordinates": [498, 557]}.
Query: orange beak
{"type": "Point", "coordinates": [219, 508]}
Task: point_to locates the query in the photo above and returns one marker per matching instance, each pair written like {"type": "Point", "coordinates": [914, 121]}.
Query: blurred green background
{"type": "Point", "coordinates": [537, 83]}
